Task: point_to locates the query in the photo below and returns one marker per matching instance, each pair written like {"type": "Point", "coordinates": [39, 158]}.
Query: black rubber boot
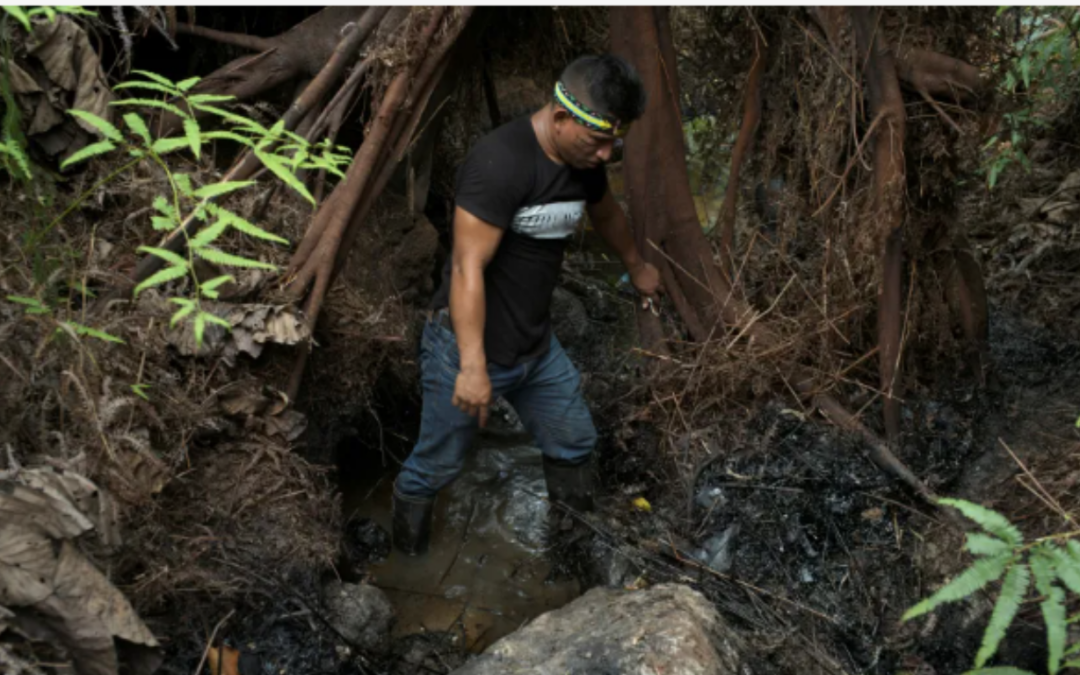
{"type": "Point", "coordinates": [412, 524]}
{"type": "Point", "coordinates": [570, 484]}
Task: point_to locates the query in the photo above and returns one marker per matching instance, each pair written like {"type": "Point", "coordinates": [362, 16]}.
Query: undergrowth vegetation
{"type": "Point", "coordinates": [1053, 562]}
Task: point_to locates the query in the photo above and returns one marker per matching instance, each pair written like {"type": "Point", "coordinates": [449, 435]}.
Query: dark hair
{"type": "Point", "coordinates": [607, 84]}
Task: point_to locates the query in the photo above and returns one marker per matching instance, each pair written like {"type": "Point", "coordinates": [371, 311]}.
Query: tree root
{"type": "Point", "coordinates": [887, 208]}
{"type": "Point", "coordinates": [326, 245]}
{"type": "Point", "coordinates": [661, 209]}
{"type": "Point", "coordinates": [752, 99]}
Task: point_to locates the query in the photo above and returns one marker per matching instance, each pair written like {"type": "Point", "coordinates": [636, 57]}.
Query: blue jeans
{"type": "Point", "coordinates": [545, 392]}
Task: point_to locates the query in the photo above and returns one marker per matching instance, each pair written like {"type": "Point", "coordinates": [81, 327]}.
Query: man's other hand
{"type": "Point", "coordinates": [646, 279]}
{"type": "Point", "coordinates": [472, 393]}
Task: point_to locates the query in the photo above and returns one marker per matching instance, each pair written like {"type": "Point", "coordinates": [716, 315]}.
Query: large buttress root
{"type": "Point", "coordinates": [328, 240]}
{"type": "Point", "coordinates": [887, 206]}
{"type": "Point", "coordinates": [667, 229]}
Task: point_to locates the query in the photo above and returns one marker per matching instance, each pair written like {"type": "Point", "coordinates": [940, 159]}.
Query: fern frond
{"type": "Point", "coordinates": [165, 254]}
{"type": "Point", "coordinates": [1067, 569]}
{"type": "Point", "coordinates": [1013, 590]}
{"type": "Point", "coordinates": [192, 132]}
{"type": "Point", "coordinates": [280, 169]}
{"type": "Point", "coordinates": [138, 126]}
{"type": "Point", "coordinates": [218, 189]}
{"type": "Point", "coordinates": [106, 128]}
{"type": "Point", "coordinates": [250, 229]}
{"type": "Point", "coordinates": [1053, 608]}
{"type": "Point", "coordinates": [92, 150]}
{"type": "Point", "coordinates": [208, 235]}
{"type": "Point", "coordinates": [983, 572]}
{"type": "Point", "coordinates": [160, 277]}
{"type": "Point", "coordinates": [984, 544]}
{"type": "Point", "coordinates": [990, 520]}
{"type": "Point", "coordinates": [221, 258]}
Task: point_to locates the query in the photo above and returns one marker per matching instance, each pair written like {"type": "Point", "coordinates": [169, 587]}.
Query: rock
{"type": "Point", "coordinates": [361, 613]}
{"type": "Point", "coordinates": [668, 629]}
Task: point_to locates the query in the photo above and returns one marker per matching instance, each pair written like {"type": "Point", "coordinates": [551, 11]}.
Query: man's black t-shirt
{"type": "Point", "coordinates": [508, 181]}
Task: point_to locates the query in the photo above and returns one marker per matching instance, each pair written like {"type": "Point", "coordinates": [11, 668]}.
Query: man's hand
{"type": "Point", "coordinates": [646, 279]}
{"type": "Point", "coordinates": [472, 393]}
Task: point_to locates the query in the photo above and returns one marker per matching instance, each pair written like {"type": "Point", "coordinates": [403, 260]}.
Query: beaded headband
{"type": "Point", "coordinates": [587, 118]}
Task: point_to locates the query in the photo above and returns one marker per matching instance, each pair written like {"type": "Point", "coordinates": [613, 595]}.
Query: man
{"type": "Point", "coordinates": [520, 194]}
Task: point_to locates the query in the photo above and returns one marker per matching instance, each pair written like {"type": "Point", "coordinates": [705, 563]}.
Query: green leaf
{"type": "Point", "coordinates": [138, 126]}
{"type": "Point", "coordinates": [161, 224]}
{"type": "Point", "coordinates": [1066, 568]}
{"type": "Point", "coordinates": [183, 181]}
{"type": "Point", "coordinates": [209, 289]}
{"type": "Point", "coordinates": [93, 332]}
{"type": "Point", "coordinates": [195, 99]}
{"type": "Point", "coordinates": [230, 136]}
{"type": "Point", "coordinates": [92, 150]}
{"type": "Point", "coordinates": [106, 128]}
{"type": "Point", "coordinates": [140, 391]}
{"type": "Point", "coordinates": [249, 229]}
{"type": "Point", "coordinates": [165, 254]}
{"type": "Point", "coordinates": [191, 130]}
{"type": "Point", "coordinates": [234, 118]}
{"type": "Point", "coordinates": [185, 85]}
{"type": "Point", "coordinates": [1025, 71]}
{"type": "Point", "coordinates": [186, 307]}
{"type": "Point", "coordinates": [152, 103]}
{"type": "Point", "coordinates": [212, 318]}
{"type": "Point", "coordinates": [994, 171]}
{"type": "Point", "coordinates": [161, 276]}
{"type": "Point", "coordinates": [35, 306]}
{"type": "Point", "coordinates": [980, 574]}
{"type": "Point", "coordinates": [208, 235]}
{"type": "Point", "coordinates": [1000, 670]}
{"type": "Point", "coordinates": [218, 189]}
{"type": "Point", "coordinates": [163, 206]}
{"type": "Point", "coordinates": [221, 258]}
{"type": "Point", "coordinates": [155, 77]}
{"type": "Point", "coordinates": [279, 169]}
{"type": "Point", "coordinates": [200, 328]}
{"type": "Point", "coordinates": [990, 520]}
{"type": "Point", "coordinates": [1012, 594]}
{"type": "Point", "coordinates": [164, 146]}
{"type": "Point", "coordinates": [1053, 609]}
{"type": "Point", "coordinates": [152, 86]}
{"type": "Point", "coordinates": [19, 15]}
{"type": "Point", "coordinates": [983, 544]}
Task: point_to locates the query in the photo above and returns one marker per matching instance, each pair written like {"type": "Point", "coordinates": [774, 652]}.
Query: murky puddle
{"type": "Point", "coordinates": [485, 574]}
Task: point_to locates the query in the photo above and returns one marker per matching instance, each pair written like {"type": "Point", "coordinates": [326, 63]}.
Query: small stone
{"type": "Point", "coordinates": [361, 613]}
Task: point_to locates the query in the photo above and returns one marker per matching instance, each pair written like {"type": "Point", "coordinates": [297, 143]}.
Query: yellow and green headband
{"type": "Point", "coordinates": [589, 119]}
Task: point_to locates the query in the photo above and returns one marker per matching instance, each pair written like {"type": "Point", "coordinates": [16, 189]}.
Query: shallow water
{"type": "Point", "coordinates": [485, 573]}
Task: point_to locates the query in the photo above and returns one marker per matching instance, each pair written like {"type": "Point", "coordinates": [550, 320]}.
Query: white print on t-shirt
{"type": "Point", "coordinates": [548, 221]}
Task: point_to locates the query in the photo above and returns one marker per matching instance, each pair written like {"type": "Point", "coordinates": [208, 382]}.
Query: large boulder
{"type": "Point", "coordinates": [668, 629]}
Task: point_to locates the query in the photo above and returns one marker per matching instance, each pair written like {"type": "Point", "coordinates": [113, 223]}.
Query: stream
{"type": "Point", "coordinates": [485, 574]}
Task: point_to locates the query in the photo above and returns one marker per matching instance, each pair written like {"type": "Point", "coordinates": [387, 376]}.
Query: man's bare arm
{"type": "Point", "coordinates": [609, 220]}
{"type": "Point", "coordinates": [475, 243]}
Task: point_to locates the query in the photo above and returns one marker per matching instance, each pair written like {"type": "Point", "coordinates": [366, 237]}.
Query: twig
{"type": "Point", "coordinates": [210, 642]}
{"type": "Point", "coordinates": [1045, 497]}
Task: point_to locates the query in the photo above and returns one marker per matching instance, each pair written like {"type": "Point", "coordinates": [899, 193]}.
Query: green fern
{"type": "Point", "coordinates": [991, 521]}
{"type": "Point", "coordinates": [974, 578]}
{"type": "Point", "coordinates": [1000, 550]}
{"type": "Point", "coordinates": [280, 150]}
{"type": "Point", "coordinates": [1013, 590]}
